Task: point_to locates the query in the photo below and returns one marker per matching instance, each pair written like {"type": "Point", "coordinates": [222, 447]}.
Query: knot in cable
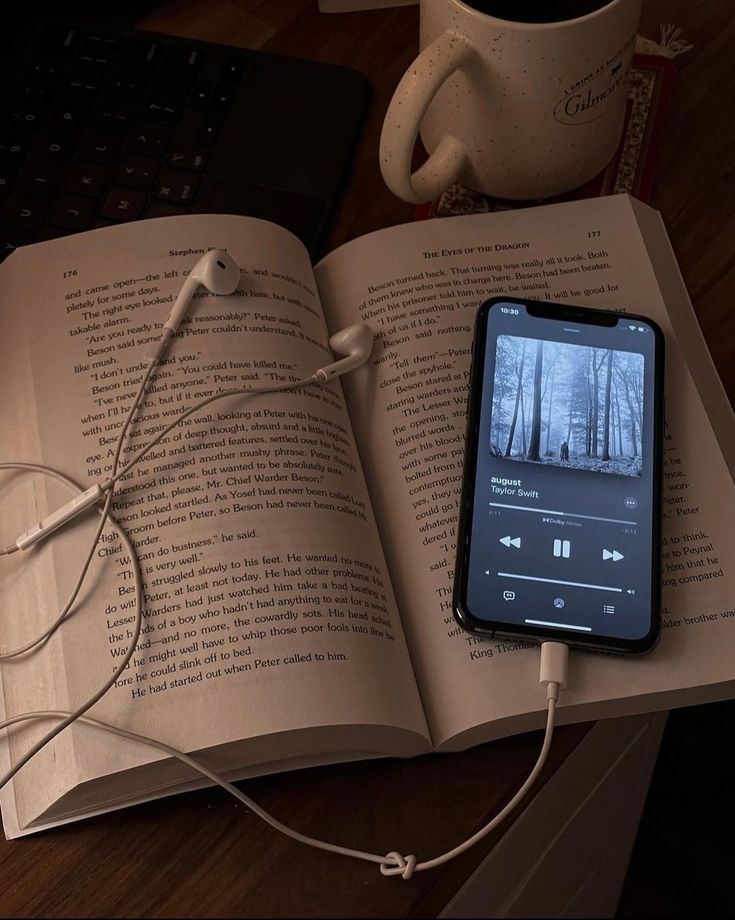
{"type": "Point", "coordinates": [403, 865]}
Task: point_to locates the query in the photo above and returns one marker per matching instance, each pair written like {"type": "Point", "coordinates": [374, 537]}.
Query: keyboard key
{"type": "Point", "coordinates": [179, 69]}
{"type": "Point", "coordinates": [141, 54]}
{"type": "Point", "coordinates": [73, 213]}
{"type": "Point", "coordinates": [39, 180]}
{"type": "Point", "coordinates": [162, 209]}
{"type": "Point", "coordinates": [149, 140]}
{"type": "Point", "coordinates": [234, 69]}
{"type": "Point", "coordinates": [87, 180]}
{"type": "Point", "coordinates": [10, 240]}
{"type": "Point", "coordinates": [95, 61]}
{"type": "Point", "coordinates": [13, 148]}
{"type": "Point", "coordinates": [100, 148]}
{"type": "Point", "coordinates": [209, 131]}
{"type": "Point", "coordinates": [24, 213]}
{"type": "Point", "coordinates": [181, 158]}
{"type": "Point", "coordinates": [54, 148]}
{"type": "Point", "coordinates": [222, 98]}
{"type": "Point", "coordinates": [50, 70]}
{"type": "Point", "coordinates": [51, 232]}
{"type": "Point", "coordinates": [113, 115]}
{"type": "Point", "coordinates": [201, 98]}
{"type": "Point", "coordinates": [35, 94]}
{"type": "Point", "coordinates": [7, 180]}
{"type": "Point", "coordinates": [69, 116]}
{"type": "Point", "coordinates": [130, 87]}
{"type": "Point", "coordinates": [59, 39]}
{"type": "Point", "coordinates": [106, 42]}
{"type": "Point", "coordinates": [123, 204]}
{"type": "Point", "coordinates": [175, 187]}
{"type": "Point", "coordinates": [162, 110]}
{"type": "Point", "coordinates": [82, 88]}
{"type": "Point", "coordinates": [24, 118]}
{"type": "Point", "coordinates": [134, 172]}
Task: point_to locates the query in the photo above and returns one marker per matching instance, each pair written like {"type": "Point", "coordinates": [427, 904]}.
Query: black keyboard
{"type": "Point", "coordinates": [100, 126]}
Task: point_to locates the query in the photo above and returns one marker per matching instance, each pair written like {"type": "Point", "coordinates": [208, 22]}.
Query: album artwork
{"type": "Point", "coordinates": [567, 405]}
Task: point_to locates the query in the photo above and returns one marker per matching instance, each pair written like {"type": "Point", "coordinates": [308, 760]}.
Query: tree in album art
{"type": "Point", "coordinates": [573, 406]}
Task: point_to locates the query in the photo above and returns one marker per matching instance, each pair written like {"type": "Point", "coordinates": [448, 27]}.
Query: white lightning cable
{"type": "Point", "coordinates": [553, 664]}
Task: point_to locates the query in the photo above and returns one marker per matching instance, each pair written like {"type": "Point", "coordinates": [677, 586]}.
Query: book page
{"type": "Point", "coordinates": [419, 286]}
{"type": "Point", "coordinates": [268, 608]}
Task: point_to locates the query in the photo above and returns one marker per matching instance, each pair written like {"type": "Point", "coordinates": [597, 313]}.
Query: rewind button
{"type": "Point", "coordinates": [511, 541]}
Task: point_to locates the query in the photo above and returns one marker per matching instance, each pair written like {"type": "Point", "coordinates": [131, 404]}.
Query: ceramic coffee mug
{"type": "Point", "coordinates": [514, 109]}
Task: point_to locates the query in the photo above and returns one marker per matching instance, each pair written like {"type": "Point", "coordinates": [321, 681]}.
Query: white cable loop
{"type": "Point", "coordinates": [404, 865]}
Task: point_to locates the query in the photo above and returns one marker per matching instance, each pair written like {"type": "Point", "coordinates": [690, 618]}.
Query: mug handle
{"type": "Point", "coordinates": [418, 86]}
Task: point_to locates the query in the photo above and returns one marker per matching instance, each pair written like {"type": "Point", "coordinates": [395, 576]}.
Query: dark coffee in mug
{"type": "Point", "coordinates": [528, 11]}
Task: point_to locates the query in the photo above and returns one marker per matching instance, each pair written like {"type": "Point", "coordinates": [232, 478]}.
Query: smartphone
{"type": "Point", "coordinates": [560, 517]}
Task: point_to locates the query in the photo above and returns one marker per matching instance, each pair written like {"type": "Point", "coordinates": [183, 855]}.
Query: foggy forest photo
{"type": "Point", "coordinates": [567, 405]}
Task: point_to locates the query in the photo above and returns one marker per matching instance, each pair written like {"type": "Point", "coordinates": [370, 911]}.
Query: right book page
{"type": "Point", "coordinates": [419, 286]}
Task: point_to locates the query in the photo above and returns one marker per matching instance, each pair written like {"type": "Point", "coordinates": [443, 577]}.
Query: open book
{"type": "Point", "coordinates": [298, 547]}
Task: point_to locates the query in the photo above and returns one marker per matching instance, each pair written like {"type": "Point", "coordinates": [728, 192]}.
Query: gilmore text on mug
{"type": "Point", "coordinates": [512, 98]}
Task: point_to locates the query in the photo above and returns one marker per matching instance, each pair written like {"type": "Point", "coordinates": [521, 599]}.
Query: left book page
{"type": "Point", "coordinates": [270, 628]}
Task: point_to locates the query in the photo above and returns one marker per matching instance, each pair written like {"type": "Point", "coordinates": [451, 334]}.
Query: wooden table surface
{"type": "Point", "coordinates": [204, 855]}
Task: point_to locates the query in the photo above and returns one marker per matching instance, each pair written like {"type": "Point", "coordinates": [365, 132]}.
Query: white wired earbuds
{"type": "Point", "coordinates": [219, 274]}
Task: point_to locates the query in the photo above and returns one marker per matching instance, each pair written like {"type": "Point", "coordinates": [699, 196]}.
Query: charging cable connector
{"type": "Point", "coordinates": [553, 668]}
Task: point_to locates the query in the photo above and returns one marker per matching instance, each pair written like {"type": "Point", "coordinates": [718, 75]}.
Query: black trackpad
{"type": "Point", "coordinates": [301, 214]}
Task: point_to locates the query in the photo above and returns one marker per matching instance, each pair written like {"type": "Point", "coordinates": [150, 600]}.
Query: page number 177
{"type": "Point", "coordinates": [594, 233]}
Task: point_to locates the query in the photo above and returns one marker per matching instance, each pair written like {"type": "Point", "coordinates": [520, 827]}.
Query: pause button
{"type": "Point", "coordinates": [562, 548]}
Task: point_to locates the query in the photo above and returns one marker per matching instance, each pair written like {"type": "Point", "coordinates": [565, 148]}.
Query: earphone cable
{"type": "Point", "coordinates": [553, 674]}
{"type": "Point", "coordinates": [553, 670]}
{"type": "Point", "coordinates": [392, 863]}
{"type": "Point", "coordinates": [33, 467]}
{"type": "Point", "coordinates": [105, 513]}
{"type": "Point", "coordinates": [72, 716]}
{"type": "Point", "coordinates": [240, 391]}
{"type": "Point", "coordinates": [65, 610]}
{"type": "Point", "coordinates": [137, 577]}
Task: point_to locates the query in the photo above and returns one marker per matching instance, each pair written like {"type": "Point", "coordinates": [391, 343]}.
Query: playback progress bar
{"type": "Point", "coordinates": [569, 514]}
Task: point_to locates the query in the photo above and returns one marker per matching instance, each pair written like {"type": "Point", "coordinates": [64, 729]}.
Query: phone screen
{"type": "Point", "coordinates": [559, 531]}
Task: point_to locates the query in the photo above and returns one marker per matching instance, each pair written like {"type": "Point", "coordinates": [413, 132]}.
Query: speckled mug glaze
{"type": "Point", "coordinates": [512, 109]}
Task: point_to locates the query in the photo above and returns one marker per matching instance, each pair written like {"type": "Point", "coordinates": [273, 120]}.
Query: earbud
{"type": "Point", "coordinates": [216, 271]}
{"type": "Point", "coordinates": [356, 342]}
